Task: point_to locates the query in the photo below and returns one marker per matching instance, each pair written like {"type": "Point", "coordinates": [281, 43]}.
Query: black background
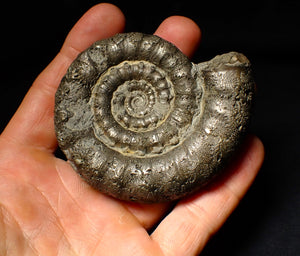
{"type": "Point", "coordinates": [267, 222]}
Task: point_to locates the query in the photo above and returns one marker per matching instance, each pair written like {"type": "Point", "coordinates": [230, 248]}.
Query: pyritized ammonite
{"type": "Point", "coordinates": [139, 121]}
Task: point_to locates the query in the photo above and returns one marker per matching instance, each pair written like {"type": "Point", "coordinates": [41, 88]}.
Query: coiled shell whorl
{"type": "Point", "coordinates": [139, 121]}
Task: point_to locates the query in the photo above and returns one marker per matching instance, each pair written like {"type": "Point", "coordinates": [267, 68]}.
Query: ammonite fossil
{"type": "Point", "coordinates": [139, 121]}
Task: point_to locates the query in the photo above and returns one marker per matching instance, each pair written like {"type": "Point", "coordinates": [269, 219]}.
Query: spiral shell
{"type": "Point", "coordinates": [140, 122]}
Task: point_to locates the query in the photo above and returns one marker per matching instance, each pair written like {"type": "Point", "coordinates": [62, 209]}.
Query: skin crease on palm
{"type": "Point", "coordinates": [46, 209]}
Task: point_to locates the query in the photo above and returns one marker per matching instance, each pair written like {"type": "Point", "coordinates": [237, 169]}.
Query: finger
{"type": "Point", "coordinates": [181, 31]}
{"type": "Point", "coordinates": [101, 21]}
{"type": "Point", "coordinates": [193, 221]}
{"type": "Point", "coordinates": [32, 124]}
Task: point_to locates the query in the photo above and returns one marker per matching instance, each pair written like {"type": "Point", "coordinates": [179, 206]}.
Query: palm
{"type": "Point", "coordinates": [46, 209]}
{"type": "Point", "coordinates": [48, 206]}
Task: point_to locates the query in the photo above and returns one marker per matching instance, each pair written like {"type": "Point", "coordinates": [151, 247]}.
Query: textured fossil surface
{"type": "Point", "coordinates": [140, 122]}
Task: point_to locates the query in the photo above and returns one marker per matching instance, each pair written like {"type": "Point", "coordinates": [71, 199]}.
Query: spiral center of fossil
{"type": "Point", "coordinates": [137, 94]}
{"type": "Point", "coordinates": [135, 109]}
{"type": "Point", "coordinates": [139, 98]}
{"type": "Point", "coordinates": [136, 106]}
{"type": "Point", "coordinates": [137, 103]}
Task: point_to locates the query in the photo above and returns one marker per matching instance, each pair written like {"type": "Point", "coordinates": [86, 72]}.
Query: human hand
{"type": "Point", "coordinates": [46, 208]}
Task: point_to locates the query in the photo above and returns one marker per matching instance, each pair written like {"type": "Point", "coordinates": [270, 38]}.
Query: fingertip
{"type": "Point", "coordinates": [182, 32]}
{"type": "Point", "coordinates": [104, 15]}
{"type": "Point", "coordinates": [110, 15]}
{"type": "Point", "coordinates": [254, 149]}
{"type": "Point", "coordinates": [259, 144]}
